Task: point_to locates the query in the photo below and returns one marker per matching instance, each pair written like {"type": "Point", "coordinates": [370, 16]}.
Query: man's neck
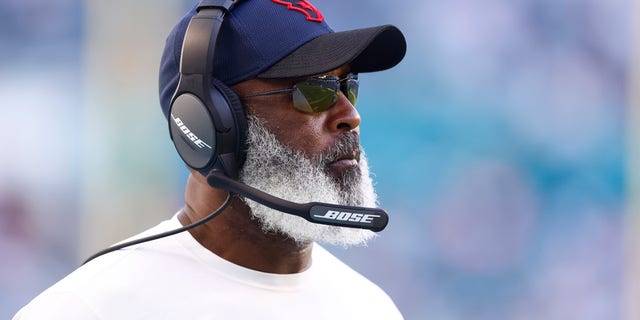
{"type": "Point", "coordinates": [236, 236]}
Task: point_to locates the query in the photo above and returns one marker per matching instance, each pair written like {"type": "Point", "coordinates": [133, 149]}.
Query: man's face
{"type": "Point", "coordinates": [305, 157]}
{"type": "Point", "coordinates": [310, 133]}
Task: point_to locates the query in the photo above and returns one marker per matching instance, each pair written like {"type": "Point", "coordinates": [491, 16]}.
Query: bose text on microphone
{"type": "Point", "coordinates": [374, 219]}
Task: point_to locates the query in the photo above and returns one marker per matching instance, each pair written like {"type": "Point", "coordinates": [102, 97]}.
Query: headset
{"type": "Point", "coordinates": [208, 127]}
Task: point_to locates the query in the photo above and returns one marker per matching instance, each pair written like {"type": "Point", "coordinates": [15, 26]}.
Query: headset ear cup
{"type": "Point", "coordinates": [239, 117]}
{"type": "Point", "coordinates": [192, 131]}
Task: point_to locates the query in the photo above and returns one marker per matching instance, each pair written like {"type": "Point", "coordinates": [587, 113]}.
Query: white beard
{"type": "Point", "coordinates": [285, 173]}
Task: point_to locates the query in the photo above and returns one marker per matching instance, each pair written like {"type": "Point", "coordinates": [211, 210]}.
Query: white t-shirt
{"type": "Point", "coordinates": [177, 278]}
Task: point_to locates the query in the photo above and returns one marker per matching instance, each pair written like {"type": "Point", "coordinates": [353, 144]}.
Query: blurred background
{"type": "Point", "coordinates": [502, 147]}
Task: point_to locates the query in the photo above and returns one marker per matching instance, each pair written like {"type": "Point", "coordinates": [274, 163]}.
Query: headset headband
{"type": "Point", "coordinates": [201, 36]}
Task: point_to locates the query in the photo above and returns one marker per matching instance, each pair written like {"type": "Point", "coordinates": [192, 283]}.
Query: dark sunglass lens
{"type": "Point", "coordinates": [351, 90]}
{"type": "Point", "coordinates": [315, 96]}
{"type": "Point", "coordinates": [300, 101]}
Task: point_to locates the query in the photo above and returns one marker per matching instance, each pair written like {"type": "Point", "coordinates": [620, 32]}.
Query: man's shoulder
{"type": "Point", "coordinates": [57, 304]}
{"type": "Point", "coordinates": [104, 281]}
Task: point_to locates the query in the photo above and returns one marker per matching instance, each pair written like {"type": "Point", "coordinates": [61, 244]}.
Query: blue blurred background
{"type": "Point", "coordinates": [499, 147]}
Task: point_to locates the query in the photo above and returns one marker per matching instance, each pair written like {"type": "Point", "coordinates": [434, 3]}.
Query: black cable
{"type": "Point", "coordinates": [164, 234]}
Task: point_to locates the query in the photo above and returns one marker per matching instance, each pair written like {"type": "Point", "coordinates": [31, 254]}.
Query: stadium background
{"type": "Point", "coordinates": [500, 146]}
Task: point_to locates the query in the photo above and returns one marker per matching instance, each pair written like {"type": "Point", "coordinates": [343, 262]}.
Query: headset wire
{"type": "Point", "coordinates": [212, 215]}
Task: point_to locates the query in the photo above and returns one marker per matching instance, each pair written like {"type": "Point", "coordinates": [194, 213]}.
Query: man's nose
{"type": "Point", "coordinates": [344, 116]}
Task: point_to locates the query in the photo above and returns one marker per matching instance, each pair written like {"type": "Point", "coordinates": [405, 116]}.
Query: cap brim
{"type": "Point", "coordinates": [365, 50]}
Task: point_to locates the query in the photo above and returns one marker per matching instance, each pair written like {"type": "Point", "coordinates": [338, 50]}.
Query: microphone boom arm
{"type": "Point", "coordinates": [374, 219]}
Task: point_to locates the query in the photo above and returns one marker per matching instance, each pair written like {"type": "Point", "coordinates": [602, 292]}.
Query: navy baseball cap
{"type": "Point", "coordinates": [282, 39]}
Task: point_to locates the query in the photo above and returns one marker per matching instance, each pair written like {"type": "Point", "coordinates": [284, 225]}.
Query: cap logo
{"type": "Point", "coordinates": [303, 6]}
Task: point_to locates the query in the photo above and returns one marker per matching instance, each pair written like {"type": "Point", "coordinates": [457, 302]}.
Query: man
{"type": "Point", "coordinates": [251, 261]}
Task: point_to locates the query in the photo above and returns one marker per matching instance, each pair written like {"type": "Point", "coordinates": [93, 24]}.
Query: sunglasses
{"type": "Point", "coordinates": [318, 94]}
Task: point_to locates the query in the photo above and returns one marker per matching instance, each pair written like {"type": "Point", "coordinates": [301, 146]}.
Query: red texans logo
{"type": "Point", "coordinates": [303, 6]}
